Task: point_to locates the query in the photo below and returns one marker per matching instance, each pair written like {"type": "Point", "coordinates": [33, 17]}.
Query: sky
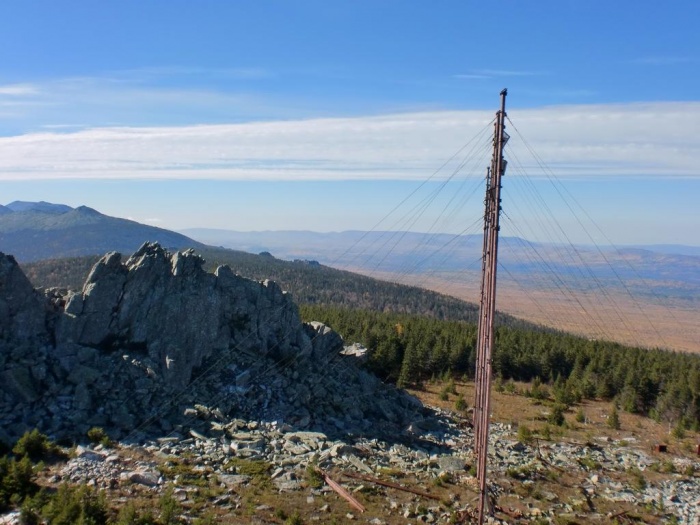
{"type": "Point", "coordinates": [326, 116]}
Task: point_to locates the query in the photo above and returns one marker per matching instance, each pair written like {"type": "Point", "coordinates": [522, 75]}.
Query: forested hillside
{"type": "Point", "coordinates": [409, 349]}
{"type": "Point", "coordinates": [70, 272]}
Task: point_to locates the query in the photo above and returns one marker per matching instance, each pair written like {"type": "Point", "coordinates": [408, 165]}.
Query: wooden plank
{"type": "Point", "coordinates": [341, 491]}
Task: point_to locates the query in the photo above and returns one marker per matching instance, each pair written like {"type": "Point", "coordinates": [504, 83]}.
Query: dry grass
{"type": "Point", "coordinates": [518, 409]}
{"type": "Point", "coordinates": [616, 316]}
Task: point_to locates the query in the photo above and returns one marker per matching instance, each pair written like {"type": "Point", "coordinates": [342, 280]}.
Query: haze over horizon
{"type": "Point", "coordinates": [311, 116]}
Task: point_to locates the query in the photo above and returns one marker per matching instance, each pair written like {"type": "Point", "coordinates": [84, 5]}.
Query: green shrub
{"type": "Point", "coordinates": [98, 436]}
{"type": "Point", "coordinates": [580, 416]}
{"type": "Point", "coordinates": [678, 431]}
{"type": "Point", "coordinates": [35, 445]}
{"type": "Point", "coordinates": [614, 419]}
{"type": "Point", "coordinates": [28, 514]}
{"type": "Point", "coordinates": [79, 505]}
{"type": "Point", "coordinates": [129, 515]}
{"type": "Point", "coordinates": [294, 519]}
{"type": "Point", "coordinates": [556, 416]}
{"type": "Point", "coordinates": [313, 477]}
{"type": "Point", "coordinates": [170, 508]}
{"type": "Point", "coordinates": [589, 463]}
{"type": "Point", "coordinates": [255, 468]}
{"type": "Point", "coordinates": [637, 479]}
{"type": "Point", "coordinates": [16, 481]}
{"type": "Point", "coordinates": [523, 472]}
{"type": "Point", "coordinates": [499, 385]}
{"type": "Point", "coordinates": [668, 467]}
{"type": "Point", "coordinates": [208, 519]}
{"type": "Point", "coordinates": [524, 434]}
{"type": "Point", "coordinates": [460, 403]}
{"type": "Point", "coordinates": [538, 391]}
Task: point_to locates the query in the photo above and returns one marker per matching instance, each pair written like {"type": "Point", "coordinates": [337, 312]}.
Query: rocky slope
{"type": "Point", "coordinates": [152, 342]}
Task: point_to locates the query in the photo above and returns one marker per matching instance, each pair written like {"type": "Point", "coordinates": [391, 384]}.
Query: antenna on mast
{"type": "Point", "coordinates": [487, 307]}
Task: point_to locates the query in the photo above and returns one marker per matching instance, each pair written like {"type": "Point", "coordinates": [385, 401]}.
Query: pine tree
{"type": "Point", "coordinates": [614, 418]}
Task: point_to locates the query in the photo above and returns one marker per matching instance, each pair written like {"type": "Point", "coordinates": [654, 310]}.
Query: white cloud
{"type": "Point", "coordinates": [471, 76]}
{"type": "Point", "coordinates": [18, 90]}
{"type": "Point", "coordinates": [481, 74]}
{"type": "Point", "coordinates": [143, 73]}
{"type": "Point", "coordinates": [164, 95]}
{"type": "Point", "coordinates": [506, 73]}
{"type": "Point", "coordinates": [663, 60]}
{"type": "Point", "coordinates": [655, 139]}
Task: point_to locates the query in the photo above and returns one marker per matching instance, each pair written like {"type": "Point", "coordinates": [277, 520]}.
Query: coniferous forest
{"type": "Point", "coordinates": [409, 349]}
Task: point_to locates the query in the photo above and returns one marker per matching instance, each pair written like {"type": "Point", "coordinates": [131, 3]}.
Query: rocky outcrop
{"type": "Point", "coordinates": [155, 343]}
{"type": "Point", "coordinates": [22, 311]}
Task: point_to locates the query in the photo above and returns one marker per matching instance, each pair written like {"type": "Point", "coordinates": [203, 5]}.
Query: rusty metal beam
{"type": "Point", "coordinates": [341, 491]}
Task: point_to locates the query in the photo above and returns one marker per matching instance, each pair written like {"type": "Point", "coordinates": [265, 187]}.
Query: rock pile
{"type": "Point", "coordinates": [438, 452]}
{"type": "Point", "coordinates": [156, 344]}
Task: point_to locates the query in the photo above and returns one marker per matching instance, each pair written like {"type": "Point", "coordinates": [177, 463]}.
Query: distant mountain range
{"type": "Point", "coordinates": [419, 253]}
{"type": "Point", "coordinates": [305, 243]}
{"type": "Point", "coordinates": [33, 231]}
{"type": "Point", "coordinates": [642, 295]}
{"type": "Point", "coordinates": [566, 287]}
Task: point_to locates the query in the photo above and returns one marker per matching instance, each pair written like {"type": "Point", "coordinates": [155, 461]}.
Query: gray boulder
{"type": "Point", "coordinates": [22, 309]}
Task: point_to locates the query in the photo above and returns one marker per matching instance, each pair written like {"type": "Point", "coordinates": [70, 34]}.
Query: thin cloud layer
{"type": "Point", "coordinates": [654, 139]}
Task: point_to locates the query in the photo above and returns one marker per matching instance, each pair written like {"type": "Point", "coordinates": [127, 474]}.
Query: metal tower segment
{"type": "Point", "coordinates": [487, 309]}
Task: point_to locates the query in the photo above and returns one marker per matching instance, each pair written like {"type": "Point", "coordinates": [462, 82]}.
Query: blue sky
{"type": "Point", "coordinates": [323, 115]}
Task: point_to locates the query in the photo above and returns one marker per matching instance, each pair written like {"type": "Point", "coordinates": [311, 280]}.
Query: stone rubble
{"type": "Point", "coordinates": [445, 453]}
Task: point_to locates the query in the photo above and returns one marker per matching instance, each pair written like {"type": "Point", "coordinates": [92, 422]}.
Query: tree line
{"type": "Point", "coordinates": [410, 349]}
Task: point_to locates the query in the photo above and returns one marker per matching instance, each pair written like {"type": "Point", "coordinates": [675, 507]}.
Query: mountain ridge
{"type": "Point", "coordinates": [33, 231]}
{"type": "Point", "coordinates": [215, 236]}
{"type": "Point", "coordinates": [421, 253]}
{"type": "Point", "coordinates": [41, 206]}
{"type": "Point", "coordinates": [631, 283]}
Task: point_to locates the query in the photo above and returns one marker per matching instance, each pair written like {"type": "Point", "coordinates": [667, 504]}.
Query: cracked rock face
{"type": "Point", "coordinates": [174, 313]}
{"type": "Point", "coordinates": [149, 338]}
{"type": "Point", "coordinates": [22, 310]}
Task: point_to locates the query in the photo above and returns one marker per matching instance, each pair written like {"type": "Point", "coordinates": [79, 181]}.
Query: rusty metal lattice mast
{"type": "Point", "coordinates": [488, 303]}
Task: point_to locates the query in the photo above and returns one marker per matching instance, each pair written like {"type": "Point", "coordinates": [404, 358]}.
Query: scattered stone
{"type": "Point", "coordinates": [234, 480]}
{"type": "Point", "coordinates": [150, 479]}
